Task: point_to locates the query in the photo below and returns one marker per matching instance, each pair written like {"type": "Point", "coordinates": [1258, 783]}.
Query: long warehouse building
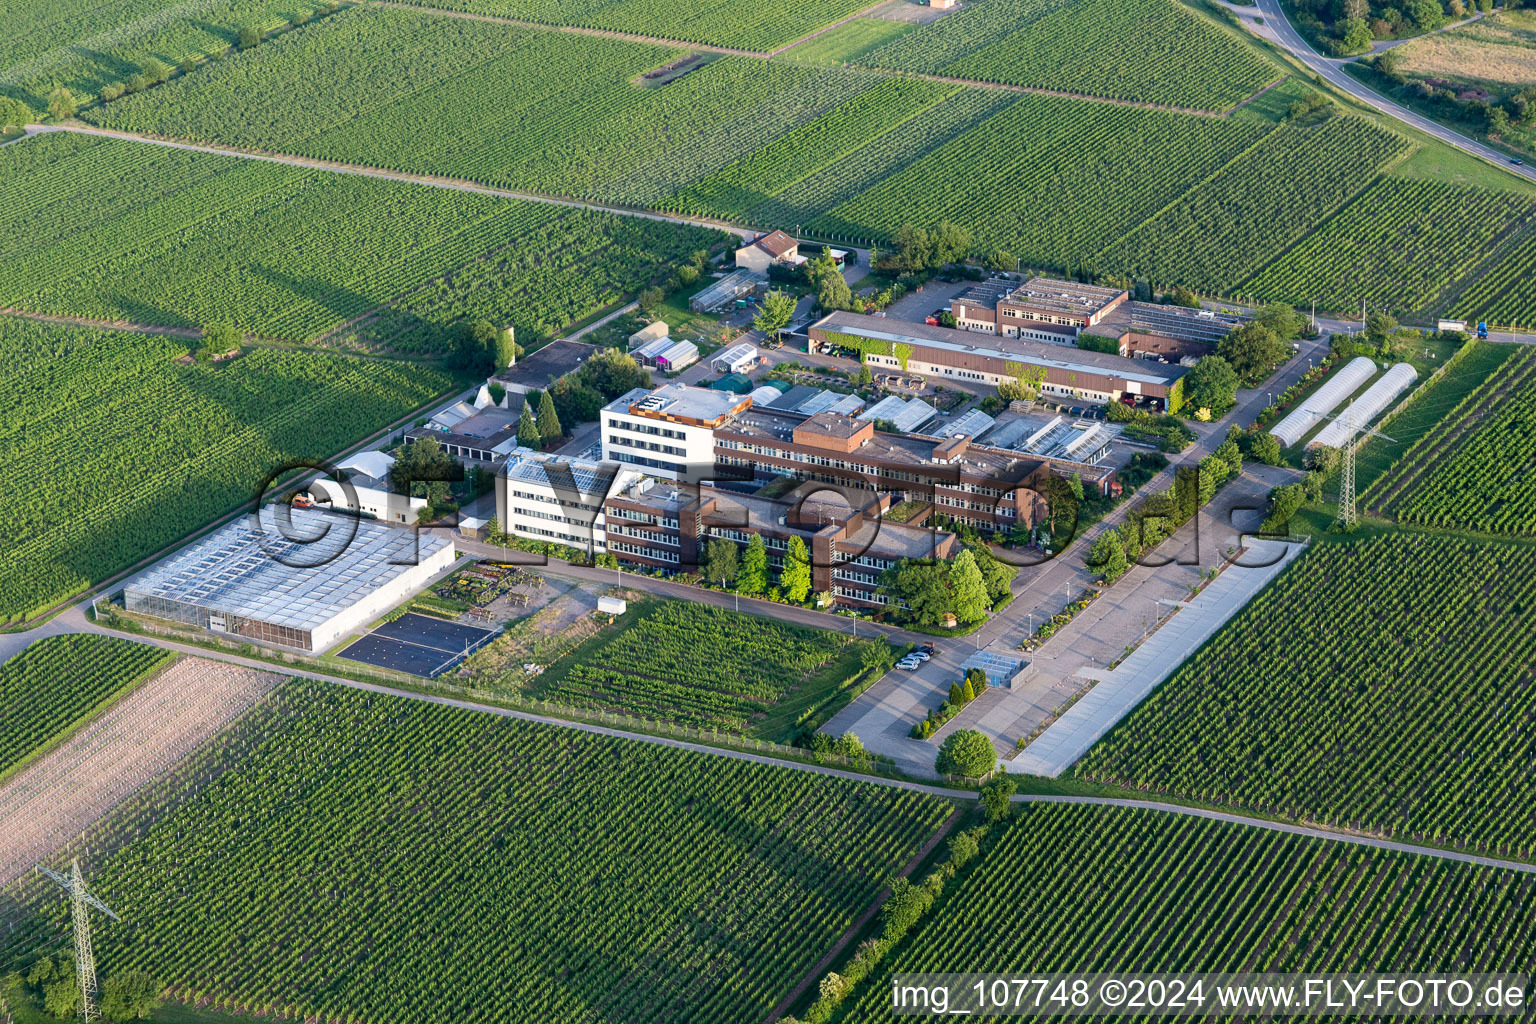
{"type": "Point", "coordinates": [1071, 374]}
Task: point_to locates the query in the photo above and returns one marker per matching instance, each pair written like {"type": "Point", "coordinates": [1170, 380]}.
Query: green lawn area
{"type": "Point", "coordinates": [704, 667]}
{"type": "Point", "coordinates": [848, 42]}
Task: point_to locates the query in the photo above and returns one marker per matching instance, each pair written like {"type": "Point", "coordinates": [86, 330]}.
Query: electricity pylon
{"type": "Point", "coordinates": [80, 903]}
{"type": "Point", "coordinates": [1348, 518]}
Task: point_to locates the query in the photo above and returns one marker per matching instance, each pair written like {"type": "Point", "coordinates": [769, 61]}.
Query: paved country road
{"type": "Point", "coordinates": [1333, 71]}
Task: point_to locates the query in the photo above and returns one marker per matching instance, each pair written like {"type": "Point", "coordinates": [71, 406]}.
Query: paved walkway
{"type": "Point", "coordinates": [1121, 689]}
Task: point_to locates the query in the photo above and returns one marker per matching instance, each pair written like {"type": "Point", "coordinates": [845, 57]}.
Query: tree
{"type": "Point", "coordinates": [833, 293]}
{"type": "Point", "coordinates": [549, 420]}
{"type": "Point", "coordinates": [135, 82]}
{"type": "Point", "coordinates": [966, 752]}
{"type": "Point", "coordinates": [154, 70]}
{"type": "Point", "coordinates": [971, 604]}
{"type": "Point", "coordinates": [997, 574]}
{"type": "Point", "coordinates": [1075, 485]}
{"type": "Point", "coordinates": [44, 970]}
{"type": "Point", "coordinates": [1379, 327]}
{"type": "Point", "coordinates": [423, 469]}
{"type": "Point", "coordinates": [913, 249]}
{"type": "Point", "coordinates": [14, 113]}
{"type": "Point", "coordinates": [968, 690]}
{"type": "Point", "coordinates": [1001, 260]}
{"type": "Point", "coordinates": [651, 297]}
{"type": "Point", "coordinates": [129, 995]}
{"type": "Point", "coordinates": [752, 576]}
{"type": "Point", "coordinates": [1253, 350]}
{"type": "Point", "coordinates": [61, 104]}
{"type": "Point", "coordinates": [957, 696]}
{"type": "Point", "coordinates": [612, 373]}
{"type": "Point", "coordinates": [1211, 384]}
{"type": "Point", "coordinates": [474, 349]}
{"type": "Point", "coordinates": [995, 797]}
{"type": "Point", "coordinates": [795, 575]}
{"type": "Point", "coordinates": [720, 561]}
{"type": "Point", "coordinates": [1283, 318]}
{"type": "Point", "coordinates": [249, 36]}
{"type": "Point", "coordinates": [950, 243]}
{"type": "Point", "coordinates": [1107, 556]}
{"type": "Point", "coordinates": [527, 428]}
{"type": "Point", "coordinates": [923, 586]}
{"type": "Point", "coordinates": [508, 351]}
{"type": "Point", "coordinates": [865, 377]}
{"type": "Point", "coordinates": [1265, 447]}
{"type": "Point", "coordinates": [1182, 296]}
{"type": "Point", "coordinates": [218, 339]}
{"type": "Point", "coordinates": [62, 998]}
{"type": "Point", "coordinates": [775, 313]}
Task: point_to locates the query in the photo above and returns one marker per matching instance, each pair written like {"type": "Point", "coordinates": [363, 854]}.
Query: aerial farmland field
{"type": "Point", "coordinates": [1474, 472]}
{"type": "Point", "coordinates": [1410, 241]}
{"type": "Point", "coordinates": [591, 875]}
{"type": "Point", "coordinates": [135, 479]}
{"type": "Point", "coordinates": [1174, 57]}
{"type": "Point", "coordinates": [1380, 684]}
{"type": "Point", "coordinates": [284, 253]}
{"type": "Point", "coordinates": [1187, 894]}
{"type": "Point", "coordinates": [743, 674]}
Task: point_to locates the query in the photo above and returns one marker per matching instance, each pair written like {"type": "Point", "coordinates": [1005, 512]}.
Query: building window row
{"type": "Point", "coordinates": [652, 446]}
{"type": "Point", "coordinates": [646, 428]}
{"type": "Point", "coordinates": [655, 538]}
{"type": "Point", "coordinates": [643, 552]}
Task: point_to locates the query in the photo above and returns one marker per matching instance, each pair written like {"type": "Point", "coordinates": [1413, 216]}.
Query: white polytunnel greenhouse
{"type": "Point", "coordinates": [1323, 401]}
{"type": "Point", "coordinates": [1367, 407]}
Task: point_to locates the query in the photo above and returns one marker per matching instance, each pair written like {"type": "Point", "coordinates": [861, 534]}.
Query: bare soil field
{"type": "Point", "coordinates": [135, 742]}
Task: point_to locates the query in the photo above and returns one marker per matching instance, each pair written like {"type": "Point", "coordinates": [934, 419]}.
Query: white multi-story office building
{"type": "Point", "coordinates": [668, 432]}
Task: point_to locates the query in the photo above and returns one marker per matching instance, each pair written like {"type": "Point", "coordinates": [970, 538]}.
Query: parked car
{"type": "Point", "coordinates": [928, 647]}
{"type": "Point", "coordinates": [909, 663]}
{"type": "Point", "coordinates": [919, 654]}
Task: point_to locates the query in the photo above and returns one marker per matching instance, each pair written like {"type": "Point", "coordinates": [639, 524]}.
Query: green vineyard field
{"type": "Point", "coordinates": [707, 668]}
{"type": "Point", "coordinates": [419, 92]}
{"type": "Point", "coordinates": [178, 238]}
{"type": "Point", "coordinates": [1080, 889]}
{"type": "Point", "coordinates": [84, 45]}
{"type": "Point", "coordinates": [47, 689]}
{"type": "Point", "coordinates": [1377, 463]}
{"type": "Point", "coordinates": [373, 858]}
{"type": "Point", "coordinates": [1380, 684]}
{"type": "Point", "coordinates": [1226, 229]}
{"type": "Point", "coordinates": [1088, 163]}
{"type": "Point", "coordinates": [1399, 244]}
{"type": "Point", "coordinates": [1169, 55]}
{"type": "Point", "coordinates": [1506, 295]}
{"type": "Point", "coordinates": [733, 193]}
{"type": "Point", "coordinates": [1477, 470]}
{"type": "Point", "coordinates": [758, 25]}
{"type": "Point", "coordinates": [112, 449]}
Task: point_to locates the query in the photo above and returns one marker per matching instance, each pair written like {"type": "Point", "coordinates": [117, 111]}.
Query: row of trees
{"type": "Point", "coordinates": [1156, 519]}
{"type": "Point", "coordinates": [748, 572]}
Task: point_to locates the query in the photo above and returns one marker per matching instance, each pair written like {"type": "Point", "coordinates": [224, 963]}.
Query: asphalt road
{"type": "Point", "coordinates": [1333, 71]}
